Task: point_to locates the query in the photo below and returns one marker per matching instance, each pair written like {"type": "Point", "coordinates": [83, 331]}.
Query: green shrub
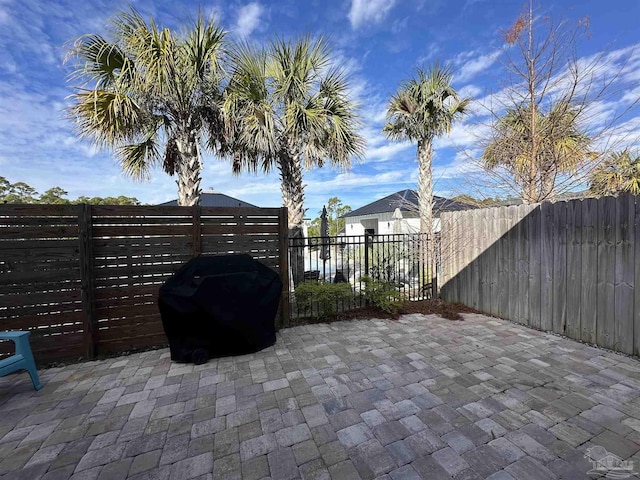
{"type": "Point", "coordinates": [383, 295]}
{"type": "Point", "coordinates": [324, 295]}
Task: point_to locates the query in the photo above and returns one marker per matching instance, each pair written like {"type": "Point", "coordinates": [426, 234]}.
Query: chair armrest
{"type": "Point", "coordinates": [13, 335]}
{"type": "Point", "coordinates": [20, 339]}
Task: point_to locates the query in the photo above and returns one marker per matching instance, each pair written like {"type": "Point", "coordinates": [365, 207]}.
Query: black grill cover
{"type": "Point", "coordinates": [225, 305]}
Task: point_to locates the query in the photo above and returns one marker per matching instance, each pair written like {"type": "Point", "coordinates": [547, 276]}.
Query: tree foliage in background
{"type": "Point", "coordinates": [152, 96]}
{"type": "Point", "coordinates": [423, 108]}
{"type": "Point", "coordinates": [20, 192]}
{"type": "Point", "coordinates": [335, 210]}
{"type": "Point", "coordinates": [619, 174]}
{"type": "Point", "coordinates": [120, 200]}
{"type": "Point", "coordinates": [558, 115]}
{"type": "Point", "coordinates": [55, 196]}
{"type": "Point", "coordinates": [479, 202]}
{"type": "Point", "coordinates": [314, 226]}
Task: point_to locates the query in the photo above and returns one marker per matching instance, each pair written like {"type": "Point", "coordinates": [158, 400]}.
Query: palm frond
{"type": "Point", "coordinates": [136, 159]}
{"type": "Point", "coordinates": [98, 62]}
{"type": "Point", "coordinates": [204, 44]}
{"type": "Point", "coordinates": [250, 119]}
{"type": "Point", "coordinates": [171, 156]}
{"type": "Point", "coordinates": [106, 117]}
{"type": "Point", "coordinates": [295, 67]}
{"type": "Point", "coordinates": [619, 174]}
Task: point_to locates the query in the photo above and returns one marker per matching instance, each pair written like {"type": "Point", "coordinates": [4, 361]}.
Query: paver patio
{"type": "Point", "coordinates": [421, 397]}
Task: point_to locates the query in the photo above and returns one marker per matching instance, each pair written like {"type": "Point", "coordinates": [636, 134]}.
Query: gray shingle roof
{"type": "Point", "coordinates": [216, 200]}
{"type": "Point", "coordinates": [407, 201]}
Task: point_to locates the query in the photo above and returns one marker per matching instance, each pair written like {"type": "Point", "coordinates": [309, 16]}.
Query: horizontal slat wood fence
{"type": "Point", "coordinates": [568, 267]}
{"type": "Point", "coordinates": [84, 279]}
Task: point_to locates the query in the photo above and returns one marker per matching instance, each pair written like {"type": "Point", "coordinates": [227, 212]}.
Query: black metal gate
{"type": "Point", "coordinates": [404, 261]}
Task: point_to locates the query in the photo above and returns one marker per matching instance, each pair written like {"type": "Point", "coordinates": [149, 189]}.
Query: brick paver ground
{"type": "Point", "coordinates": [422, 397]}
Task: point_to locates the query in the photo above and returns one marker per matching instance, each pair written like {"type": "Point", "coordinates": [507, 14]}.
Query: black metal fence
{"type": "Point", "coordinates": [402, 262]}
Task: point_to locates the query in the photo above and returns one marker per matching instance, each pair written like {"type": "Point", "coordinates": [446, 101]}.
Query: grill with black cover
{"type": "Point", "coordinates": [219, 305]}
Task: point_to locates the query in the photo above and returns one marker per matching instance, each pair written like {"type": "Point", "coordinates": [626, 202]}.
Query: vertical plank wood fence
{"type": "Point", "coordinates": [84, 279]}
{"type": "Point", "coordinates": [568, 267]}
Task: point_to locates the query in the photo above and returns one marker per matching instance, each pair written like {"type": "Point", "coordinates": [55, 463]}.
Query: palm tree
{"type": "Point", "coordinates": [151, 96]}
{"type": "Point", "coordinates": [288, 108]}
{"type": "Point", "coordinates": [424, 108]}
{"type": "Point", "coordinates": [620, 173]}
{"type": "Point", "coordinates": [560, 148]}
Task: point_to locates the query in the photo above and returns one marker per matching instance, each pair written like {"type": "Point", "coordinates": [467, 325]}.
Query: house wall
{"type": "Point", "coordinates": [382, 223]}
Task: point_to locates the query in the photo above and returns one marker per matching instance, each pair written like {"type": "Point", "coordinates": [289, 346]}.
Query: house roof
{"type": "Point", "coordinates": [407, 201]}
{"type": "Point", "coordinates": [215, 199]}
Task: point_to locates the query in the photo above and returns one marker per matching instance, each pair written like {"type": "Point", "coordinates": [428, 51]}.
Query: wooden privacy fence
{"type": "Point", "coordinates": [84, 279]}
{"type": "Point", "coordinates": [567, 267]}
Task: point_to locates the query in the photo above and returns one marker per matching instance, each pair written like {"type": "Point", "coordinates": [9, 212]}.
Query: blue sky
{"type": "Point", "coordinates": [378, 41]}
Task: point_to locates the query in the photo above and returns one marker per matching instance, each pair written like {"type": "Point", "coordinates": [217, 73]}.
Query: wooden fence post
{"type": "Point", "coordinates": [90, 325]}
{"type": "Point", "coordinates": [197, 230]}
{"type": "Point", "coordinates": [283, 235]}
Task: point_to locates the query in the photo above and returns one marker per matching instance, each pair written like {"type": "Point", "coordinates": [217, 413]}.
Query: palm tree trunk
{"type": "Point", "coordinates": [189, 168]}
{"type": "Point", "coordinates": [425, 209]}
{"type": "Point", "coordinates": [292, 189]}
{"type": "Point", "coordinates": [293, 198]}
{"type": "Point", "coordinates": [425, 186]}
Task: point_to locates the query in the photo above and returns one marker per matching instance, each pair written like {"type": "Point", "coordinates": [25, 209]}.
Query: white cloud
{"type": "Point", "coordinates": [625, 135]}
{"type": "Point", "coordinates": [476, 65]}
{"type": "Point", "coordinates": [369, 11]}
{"type": "Point", "coordinates": [379, 148]}
{"type": "Point", "coordinates": [350, 66]}
{"type": "Point", "coordinates": [399, 26]}
{"type": "Point", "coordinates": [432, 51]}
{"type": "Point", "coordinates": [256, 187]}
{"type": "Point", "coordinates": [349, 180]}
{"type": "Point", "coordinates": [465, 162]}
{"type": "Point", "coordinates": [462, 135]}
{"type": "Point", "coordinates": [388, 151]}
{"type": "Point", "coordinates": [469, 91]}
{"type": "Point", "coordinates": [5, 17]}
{"type": "Point", "coordinates": [470, 3]}
{"type": "Point", "coordinates": [248, 19]}
{"type": "Point", "coordinates": [631, 95]}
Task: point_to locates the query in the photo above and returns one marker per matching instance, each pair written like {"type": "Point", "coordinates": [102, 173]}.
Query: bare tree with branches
{"type": "Point", "coordinates": [559, 115]}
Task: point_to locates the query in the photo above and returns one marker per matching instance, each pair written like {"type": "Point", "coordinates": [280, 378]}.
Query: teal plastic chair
{"type": "Point", "coordinates": [22, 360]}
